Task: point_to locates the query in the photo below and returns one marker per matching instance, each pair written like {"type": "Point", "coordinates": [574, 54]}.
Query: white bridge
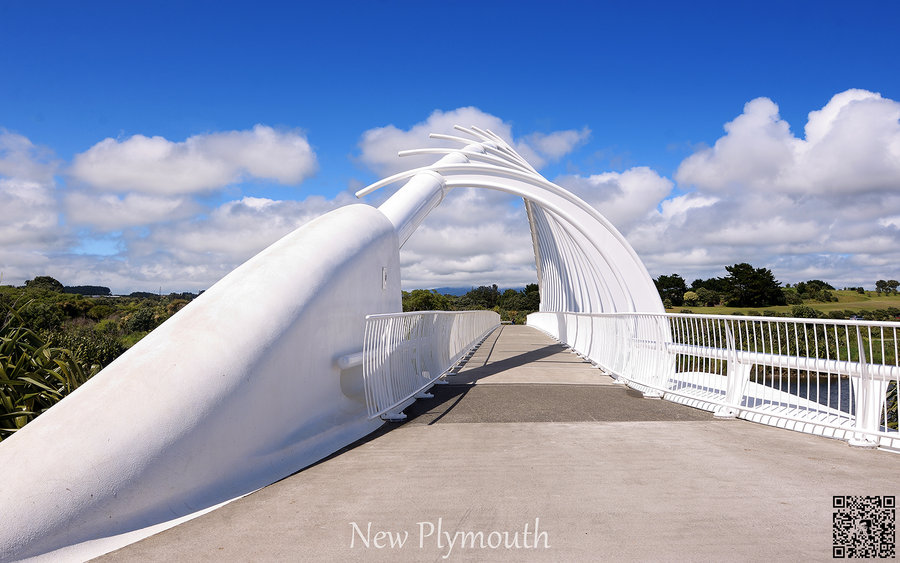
{"type": "Point", "coordinates": [303, 350]}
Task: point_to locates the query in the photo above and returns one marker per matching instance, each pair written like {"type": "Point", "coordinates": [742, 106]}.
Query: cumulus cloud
{"type": "Point", "coordinates": [144, 205]}
{"type": "Point", "coordinates": [556, 145]}
{"type": "Point", "coordinates": [22, 160]}
{"type": "Point", "coordinates": [29, 222]}
{"type": "Point", "coordinates": [852, 145]}
{"type": "Point", "coordinates": [474, 237]}
{"type": "Point", "coordinates": [111, 212]}
{"type": "Point", "coordinates": [623, 198]}
{"type": "Point", "coordinates": [29, 213]}
{"type": "Point", "coordinates": [195, 252]}
{"type": "Point", "coordinates": [155, 165]}
{"type": "Point", "coordinates": [805, 207]}
{"type": "Point", "coordinates": [379, 146]}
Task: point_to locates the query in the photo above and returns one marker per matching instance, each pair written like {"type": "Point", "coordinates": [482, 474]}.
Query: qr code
{"type": "Point", "coordinates": [864, 527]}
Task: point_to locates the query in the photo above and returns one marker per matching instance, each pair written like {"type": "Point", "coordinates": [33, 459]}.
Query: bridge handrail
{"type": "Point", "coordinates": [827, 376]}
{"type": "Point", "coordinates": [405, 353]}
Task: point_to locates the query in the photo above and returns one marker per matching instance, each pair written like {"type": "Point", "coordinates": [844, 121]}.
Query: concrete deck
{"type": "Point", "coordinates": [529, 435]}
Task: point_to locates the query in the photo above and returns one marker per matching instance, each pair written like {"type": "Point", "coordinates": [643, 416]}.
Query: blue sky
{"type": "Point", "coordinates": [634, 97]}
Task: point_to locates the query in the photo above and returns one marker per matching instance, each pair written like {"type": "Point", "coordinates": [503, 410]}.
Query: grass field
{"type": "Point", "coordinates": [847, 300]}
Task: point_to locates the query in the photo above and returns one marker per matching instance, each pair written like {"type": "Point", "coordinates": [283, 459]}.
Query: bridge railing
{"type": "Point", "coordinates": [830, 377]}
{"type": "Point", "coordinates": [405, 353]}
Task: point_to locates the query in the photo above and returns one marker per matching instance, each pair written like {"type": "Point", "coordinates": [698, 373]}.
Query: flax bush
{"type": "Point", "coordinates": [34, 376]}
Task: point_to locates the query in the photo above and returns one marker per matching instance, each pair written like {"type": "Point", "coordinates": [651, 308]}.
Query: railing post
{"type": "Point", "coordinates": [870, 397]}
{"type": "Point", "coordinates": [654, 352]}
{"type": "Point", "coordinates": [737, 375]}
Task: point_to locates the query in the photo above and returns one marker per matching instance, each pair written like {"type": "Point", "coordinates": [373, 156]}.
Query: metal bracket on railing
{"type": "Point", "coordinates": [393, 416]}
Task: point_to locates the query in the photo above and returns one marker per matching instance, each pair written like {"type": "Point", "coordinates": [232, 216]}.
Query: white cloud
{"type": "Point", "coordinates": [852, 145]}
{"type": "Point", "coordinates": [111, 212]}
{"type": "Point", "coordinates": [800, 206]}
{"type": "Point", "coordinates": [29, 221]}
{"type": "Point", "coordinates": [623, 198]}
{"type": "Point", "coordinates": [556, 145]}
{"type": "Point", "coordinates": [193, 253]}
{"type": "Point", "coordinates": [753, 154]}
{"type": "Point", "coordinates": [159, 235]}
{"type": "Point", "coordinates": [22, 160]}
{"type": "Point", "coordinates": [201, 163]}
{"type": "Point", "coordinates": [474, 237]}
{"type": "Point", "coordinates": [379, 146]}
{"type": "Point", "coordinates": [29, 214]}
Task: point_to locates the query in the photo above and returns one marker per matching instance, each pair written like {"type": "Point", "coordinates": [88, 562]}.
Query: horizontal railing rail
{"type": "Point", "coordinates": [405, 353]}
{"type": "Point", "coordinates": [830, 377]}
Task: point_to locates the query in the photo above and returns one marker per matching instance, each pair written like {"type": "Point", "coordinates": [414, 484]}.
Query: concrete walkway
{"type": "Point", "coordinates": [528, 438]}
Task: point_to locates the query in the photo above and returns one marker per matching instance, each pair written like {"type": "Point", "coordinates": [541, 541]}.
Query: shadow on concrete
{"type": "Point", "coordinates": [493, 368]}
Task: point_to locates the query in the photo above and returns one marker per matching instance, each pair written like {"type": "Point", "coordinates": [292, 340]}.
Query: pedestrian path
{"type": "Point", "coordinates": [533, 448]}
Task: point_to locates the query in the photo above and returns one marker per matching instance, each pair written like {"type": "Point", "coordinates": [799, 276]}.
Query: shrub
{"type": "Point", "coordinates": [142, 320]}
{"type": "Point", "coordinates": [804, 312]}
{"type": "Point", "coordinates": [34, 376]}
{"type": "Point", "coordinates": [100, 312]}
{"type": "Point", "coordinates": [93, 349]}
{"type": "Point", "coordinates": [41, 315]}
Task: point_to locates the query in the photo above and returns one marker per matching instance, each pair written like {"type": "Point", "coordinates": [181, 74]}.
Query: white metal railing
{"type": "Point", "coordinates": [830, 377]}
{"type": "Point", "coordinates": [405, 353]}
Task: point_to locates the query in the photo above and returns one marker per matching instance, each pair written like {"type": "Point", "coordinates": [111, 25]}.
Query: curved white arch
{"type": "Point", "coordinates": [584, 263]}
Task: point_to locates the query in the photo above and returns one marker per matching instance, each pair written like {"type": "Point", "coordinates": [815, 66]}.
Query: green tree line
{"type": "Point", "coordinates": [512, 305]}
{"type": "Point", "coordinates": [748, 286]}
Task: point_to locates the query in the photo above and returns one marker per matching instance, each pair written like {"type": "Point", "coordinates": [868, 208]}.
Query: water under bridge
{"type": "Point", "coordinates": [617, 429]}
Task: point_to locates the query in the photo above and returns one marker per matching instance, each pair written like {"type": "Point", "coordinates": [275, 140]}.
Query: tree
{"type": "Point", "coordinates": [791, 297]}
{"type": "Point", "coordinates": [481, 297]}
{"type": "Point", "coordinates": [752, 287]}
{"type": "Point", "coordinates": [880, 286]}
{"type": "Point", "coordinates": [892, 285]}
{"type": "Point", "coordinates": [142, 320]}
{"type": "Point", "coordinates": [511, 300]}
{"type": "Point", "coordinates": [532, 298]}
{"type": "Point", "coordinates": [425, 300]}
{"type": "Point", "coordinates": [671, 288]}
{"type": "Point", "coordinates": [707, 297]}
{"type": "Point", "coordinates": [816, 290]}
{"type": "Point", "coordinates": [45, 282]}
{"type": "Point", "coordinates": [691, 298]}
{"type": "Point", "coordinates": [804, 312]}
{"type": "Point", "coordinates": [88, 290]}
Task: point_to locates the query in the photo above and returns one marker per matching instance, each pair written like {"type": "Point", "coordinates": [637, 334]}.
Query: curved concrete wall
{"type": "Point", "coordinates": [237, 390]}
